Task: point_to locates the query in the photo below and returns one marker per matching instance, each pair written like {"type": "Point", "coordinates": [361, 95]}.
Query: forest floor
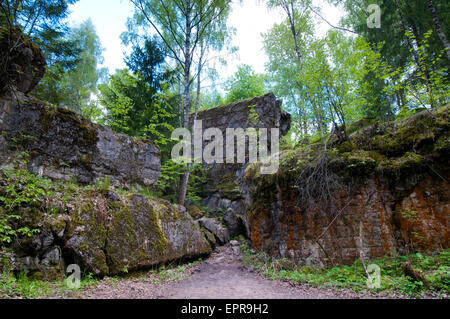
{"type": "Point", "coordinates": [222, 276]}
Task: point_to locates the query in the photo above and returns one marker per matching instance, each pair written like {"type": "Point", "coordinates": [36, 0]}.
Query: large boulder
{"type": "Point", "coordinates": [138, 233]}
{"type": "Point", "coordinates": [220, 233]}
{"type": "Point", "coordinates": [23, 64]}
{"type": "Point", "coordinates": [64, 146]}
{"type": "Point", "coordinates": [106, 234]}
{"type": "Point", "coordinates": [235, 223]}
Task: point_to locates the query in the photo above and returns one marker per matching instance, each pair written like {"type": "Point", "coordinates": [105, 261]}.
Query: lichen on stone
{"type": "Point", "coordinates": [378, 167]}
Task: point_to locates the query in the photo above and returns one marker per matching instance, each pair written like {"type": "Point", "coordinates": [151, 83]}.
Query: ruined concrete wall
{"type": "Point", "coordinates": [222, 192]}
{"type": "Point", "coordinates": [64, 146]}
{"type": "Point", "coordinates": [394, 196]}
{"type": "Point", "coordinates": [259, 112]}
{"type": "Point", "coordinates": [61, 144]}
{"type": "Point", "coordinates": [373, 223]}
{"type": "Point", "coordinates": [103, 232]}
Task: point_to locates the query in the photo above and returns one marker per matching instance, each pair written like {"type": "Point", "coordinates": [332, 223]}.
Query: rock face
{"type": "Point", "coordinates": [234, 222]}
{"type": "Point", "coordinates": [222, 192]}
{"type": "Point", "coordinates": [107, 234]}
{"type": "Point", "coordinates": [372, 224]}
{"type": "Point", "coordinates": [103, 232]}
{"type": "Point", "coordinates": [393, 196]}
{"type": "Point", "coordinates": [213, 226]}
{"type": "Point", "coordinates": [64, 146]}
{"type": "Point", "coordinates": [259, 112]}
{"type": "Point", "coordinates": [23, 64]}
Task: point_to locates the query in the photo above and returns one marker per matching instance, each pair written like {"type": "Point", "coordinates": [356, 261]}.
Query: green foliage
{"type": "Point", "coordinates": [331, 80]}
{"type": "Point", "coordinates": [21, 189]}
{"type": "Point", "coordinates": [343, 79]}
{"type": "Point", "coordinates": [244, 84]}
{"type": "Point", "coordinates": [422, 87]}
{"type": "Point", "coordinates": [409, 214]}
{"type": "Point", "coordinates": [190, 31]}
{"type": "Point", "coordinates": [147, 60]}
{"type": "Point", "coordinates": [133, 109]}
{"type": "Point", "coordinates": [435, 267]}
{"type": "Point", "coordinates": [169, 180]}
{"type": "Point", "coordinates": [210, 99]}
{"type": "Point", "coordinates": [417, 19]}
{"type": "Point", "coordinates": [73, 87]}
{"type": "Point", "coordinates": [416, 75]}
{"type": "Point", "coordinates": [103, 184]}
{"type": "Point", "coordinates": [168, 274]}
{"type": "Point", "coordinates": [284, 65]}
{"type": "Point", "coordinates": [22, 286]}
{"type": "Point", "coordinates": [45, 22]}
{"type": "Point", "coordinates": [322, 80]}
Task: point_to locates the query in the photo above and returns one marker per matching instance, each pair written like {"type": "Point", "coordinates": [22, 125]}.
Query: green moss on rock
{"type": "Point", "coordinates": [194, 212]}
{"type": "Point", "coordinates": [87, 235]}
{"type": "Point", "coordinates": [346, 147]}
{"type": "Point", "coordinates": [86, 160]}
{"type": "Point", "coordinates": [409, 163]}
{"type": "Point", "coordinates": [135, 236]}
{"type": "Point", "coordinates": [89, 134]}
{"type": "Point", "coordinates": [358, 125]}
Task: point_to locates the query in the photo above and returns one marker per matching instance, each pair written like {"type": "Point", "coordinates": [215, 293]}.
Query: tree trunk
{"type": "Point", "coordinates": [186, 101]}
{"type": "Point", "coordinates": [290, 13]}
{"type": "Point", "coordinates": [438, 27]}
{"type": "Point", "coordinates": [186, 175]}
{"type": "Point", "coordinates": [199, 78]}
{"type": "Point", "coordinates": [405, 28]}
{"type": "Point", "coordinates": [414, 52]}
{"type": "Point", "coordinates": [180, 104]}
{"type": "Point", "coordinates": [183, 188]}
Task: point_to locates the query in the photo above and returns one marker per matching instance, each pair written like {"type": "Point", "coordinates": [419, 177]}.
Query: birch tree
{"type": "Point", "coordinates": [184, 27]}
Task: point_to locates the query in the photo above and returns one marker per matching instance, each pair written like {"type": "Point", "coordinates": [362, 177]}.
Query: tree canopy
{"type": "Point", "coordinates": [244, 84]}
{"type": "Point", "coordinates": [355, 71]}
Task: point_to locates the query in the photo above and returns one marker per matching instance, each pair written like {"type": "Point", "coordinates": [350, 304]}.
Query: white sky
{"type": "Point", "coordinates": [251, 18]}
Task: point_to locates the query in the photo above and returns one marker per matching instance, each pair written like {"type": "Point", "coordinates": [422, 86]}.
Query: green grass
{"type": "Point", "coordinates": [436, 269]}
{"type": "Point", "coordinates": [24, 287]}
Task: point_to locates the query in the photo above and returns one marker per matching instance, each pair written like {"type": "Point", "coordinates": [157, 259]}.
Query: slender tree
{"type": "Point", "coordinates": [182, 26]}
{"type": "Point", "coordinates": [73, 88]}
{"type": "Point", "coordinates": [295, 10]}
{"type": "Point", "coordinates": [286, 45]}
{"type": "Point", "coordinates": [438, 27]}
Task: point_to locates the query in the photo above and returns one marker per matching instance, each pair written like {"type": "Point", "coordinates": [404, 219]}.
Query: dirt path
{"type": "Point", "coordinates": [222, 276]}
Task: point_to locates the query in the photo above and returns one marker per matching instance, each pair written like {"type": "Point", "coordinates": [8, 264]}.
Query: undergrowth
{"type": "Point", "coordinates": [436, 269]}
{"type": "Point", "coordinates": [23, 287]}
